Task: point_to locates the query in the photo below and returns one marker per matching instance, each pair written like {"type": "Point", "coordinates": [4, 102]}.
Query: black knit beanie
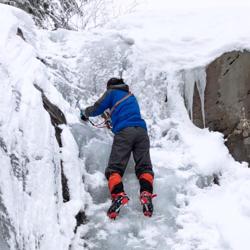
{"type": "Point", "coordinates": [115, 81]}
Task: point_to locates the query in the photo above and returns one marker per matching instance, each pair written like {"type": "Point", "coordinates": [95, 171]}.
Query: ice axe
{"type": "Point", "coordinates": [105, 124]}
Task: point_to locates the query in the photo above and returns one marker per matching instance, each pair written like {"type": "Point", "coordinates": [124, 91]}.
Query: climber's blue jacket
{"type": "Point", "coordinates": [126, 114]}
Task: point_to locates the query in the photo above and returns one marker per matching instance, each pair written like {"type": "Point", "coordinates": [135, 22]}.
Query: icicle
{"type": "Point", "coordinates": [189, 82]}
{"type": "Point", "coordinates": [191, 77]}
{"type": "Point", "coordinates": [201, 85]}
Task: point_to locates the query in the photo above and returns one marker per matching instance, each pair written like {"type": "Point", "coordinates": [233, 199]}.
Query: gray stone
{"type": "Point", "coordinates": [227, 101]}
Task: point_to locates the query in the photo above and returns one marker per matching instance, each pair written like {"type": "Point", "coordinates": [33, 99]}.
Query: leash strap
{"type": "Point", "coordinates": [120, 101]}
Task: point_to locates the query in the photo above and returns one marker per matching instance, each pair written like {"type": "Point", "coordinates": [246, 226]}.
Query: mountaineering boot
{"type": "Point", "coordinates": [118, 201]}
{"type": "Point", "coordinates": [146, 201]}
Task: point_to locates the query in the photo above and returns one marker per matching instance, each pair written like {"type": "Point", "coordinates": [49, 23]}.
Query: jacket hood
{"type": "Point", "coordinates": [123, 87]}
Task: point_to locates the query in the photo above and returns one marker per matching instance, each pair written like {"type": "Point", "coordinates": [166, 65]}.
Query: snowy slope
{"type": "Point", "coordinates": [160, 51]}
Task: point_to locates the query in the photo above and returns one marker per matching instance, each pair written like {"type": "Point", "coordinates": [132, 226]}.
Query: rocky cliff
{"type": "Point", "coordinates": [227, 101]}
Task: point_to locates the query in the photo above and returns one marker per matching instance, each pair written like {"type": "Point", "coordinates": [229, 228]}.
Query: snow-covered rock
{"type": "Point", "coordinates": [30, 183]}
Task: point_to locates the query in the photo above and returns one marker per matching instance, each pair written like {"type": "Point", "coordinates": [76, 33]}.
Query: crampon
{"type": "Point", "coordinates": [118, 201]}
{"type": "Point", "coordinates": [146, 201]}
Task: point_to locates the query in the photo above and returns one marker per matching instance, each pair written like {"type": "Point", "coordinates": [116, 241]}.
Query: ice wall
{"type": "Point", "coordinates": [3, 244]}
{"type": "Point", "coordinates": [33, 211]}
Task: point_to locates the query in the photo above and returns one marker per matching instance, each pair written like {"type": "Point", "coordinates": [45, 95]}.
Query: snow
{"type": "Point", "coordinates": [179, 36]}
{"type": "Point", "coordinates": [31, 175]}
{"type": "Point", "coordinates": [221, 215]}
{"type": "Point", "coordinates": [160, 50]}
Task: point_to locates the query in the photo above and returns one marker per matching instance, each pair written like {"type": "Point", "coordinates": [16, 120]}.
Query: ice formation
{"type": "Point", "coordinates": [191, 78]}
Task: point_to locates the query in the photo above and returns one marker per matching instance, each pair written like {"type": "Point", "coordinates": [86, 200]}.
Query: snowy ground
{"type": "Point", "coordinates": [160, 51]}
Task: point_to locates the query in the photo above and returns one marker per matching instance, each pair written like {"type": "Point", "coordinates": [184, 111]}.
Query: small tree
{"type": "Point", "coordinates": [73, 14]}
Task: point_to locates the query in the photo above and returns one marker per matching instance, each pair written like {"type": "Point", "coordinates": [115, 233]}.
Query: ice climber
{"type": "Point", "coordinates": [130, 136]}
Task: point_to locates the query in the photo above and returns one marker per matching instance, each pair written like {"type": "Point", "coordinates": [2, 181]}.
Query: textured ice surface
{"type": "Point", "coordinates": [3, 244]}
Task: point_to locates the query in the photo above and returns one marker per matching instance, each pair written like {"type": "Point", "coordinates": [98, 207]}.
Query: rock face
{"type": "Point", "coordinates": [227, 101]}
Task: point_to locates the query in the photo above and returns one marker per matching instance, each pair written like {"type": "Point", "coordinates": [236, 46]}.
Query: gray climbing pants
{"type": "Point", "coordinates": [130, 140]}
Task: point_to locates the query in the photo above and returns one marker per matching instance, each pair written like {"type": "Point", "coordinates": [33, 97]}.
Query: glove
{"type": "Point", "coordinates": [83, 116]}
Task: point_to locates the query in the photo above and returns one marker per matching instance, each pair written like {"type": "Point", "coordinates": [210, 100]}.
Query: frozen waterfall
{"type": "Point", "coordinates": [191, 212]}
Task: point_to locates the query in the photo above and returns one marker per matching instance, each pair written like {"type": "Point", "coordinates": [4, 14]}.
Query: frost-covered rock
{"type": "Point", "coordinates": [32, 209]}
